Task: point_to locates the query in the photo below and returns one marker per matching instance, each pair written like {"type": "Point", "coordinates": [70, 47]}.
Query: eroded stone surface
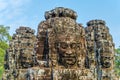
{"type": "Point", "coordinates": [62, 50]}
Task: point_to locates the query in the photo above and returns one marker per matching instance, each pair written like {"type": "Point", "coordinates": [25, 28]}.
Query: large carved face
{"type": "Point", "coordinates": [26, 60]}
{"type": "Point", "coordinates": [66, 50]}
{"type": "Point", "coordinates": [106, 62]}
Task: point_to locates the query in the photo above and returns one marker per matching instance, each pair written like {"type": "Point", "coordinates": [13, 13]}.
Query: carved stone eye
{"type": "Point", "coordinates": [63, 45]}
{"type": "Point", "coordinates": [78, 46]}
{"type": "Point", "coordinates": [73, 45]}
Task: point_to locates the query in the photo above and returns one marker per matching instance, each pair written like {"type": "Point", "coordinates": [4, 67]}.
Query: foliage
{"type": "Point", "coordinates": [4, 34]}
{"type": "Point", "coordinates": [4, 38]}
{"type": "Point", "coordinates": [117, 61]}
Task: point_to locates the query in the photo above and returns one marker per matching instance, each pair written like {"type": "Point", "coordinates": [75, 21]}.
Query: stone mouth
{"type": "Point", "coordinates": [70, 61]}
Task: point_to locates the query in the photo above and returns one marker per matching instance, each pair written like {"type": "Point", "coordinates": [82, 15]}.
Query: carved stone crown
{"type": "Point", "coordinates": [60, 12]}
{"type": "Point", "coordinates": [95, 22]}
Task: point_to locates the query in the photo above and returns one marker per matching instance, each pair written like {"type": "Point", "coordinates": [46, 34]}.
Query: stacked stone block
{"type": "Point", "coordinates": [21, 53]}
{"type": "Point", "coordinates": [100, 49]}
{"type": "Point", "coordinates": [60, 30]}
{"type": "Point", "coordinates": [42, 41]}
{"type": "Point", "coordinates": [25, 45]}
{"type": "Point", "coordinates": [60, 12]}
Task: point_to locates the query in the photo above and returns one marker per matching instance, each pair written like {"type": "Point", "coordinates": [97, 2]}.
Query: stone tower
{"type": "Point", "coordinates": [100, 49]}
{"type": "Point", "coordinates": [20, 55]}
{"type": "Point", "coordinates": [62, 44]}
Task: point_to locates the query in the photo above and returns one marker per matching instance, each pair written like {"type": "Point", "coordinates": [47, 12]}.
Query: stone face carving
{"type": "Point", "coordinates": [100, 48]}
{"type": "Point", "coordinates": [67, 56]}
{"type": "Point", "coordinates": [62, 50]}
{"type": "Point", "coordinates": [66, 44]}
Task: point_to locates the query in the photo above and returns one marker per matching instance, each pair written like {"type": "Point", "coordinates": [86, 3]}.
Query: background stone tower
{"type": "Point", "coordinates": [100, 46]}
{"type": "Point", "coordinates": [21, 54]}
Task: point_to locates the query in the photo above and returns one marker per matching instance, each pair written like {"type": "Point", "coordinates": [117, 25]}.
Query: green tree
{"type": "Point", "coordinates": [4, 39]}
{"type": "Point", "coordinates": [117, 61]}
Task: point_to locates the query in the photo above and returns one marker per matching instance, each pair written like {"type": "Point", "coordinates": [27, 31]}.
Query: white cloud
{"type": "Point", "coordinates": [12, 13]}
{"type": "Point", "coordinates": [18, 3]}
{"type": "Point", "coordinates": [10, 9]}
{"type": "Point", "coordinates": [3, 5]}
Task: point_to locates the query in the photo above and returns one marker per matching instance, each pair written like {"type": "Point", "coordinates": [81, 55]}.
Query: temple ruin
{"type": "Point", "coordinates": [62, 50]}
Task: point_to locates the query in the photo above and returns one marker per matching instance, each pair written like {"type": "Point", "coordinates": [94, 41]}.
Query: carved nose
{"type": "Point", "coordinates": [69, 51]}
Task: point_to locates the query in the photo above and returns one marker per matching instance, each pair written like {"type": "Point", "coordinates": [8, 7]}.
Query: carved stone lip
{"type": "Point", "coordinates": [69, 57]}
{"type": "Point", "coordinates": [70, 61]}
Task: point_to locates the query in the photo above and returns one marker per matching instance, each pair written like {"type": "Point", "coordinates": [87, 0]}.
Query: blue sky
{"type": "Point", "coordinates": [30, 13]}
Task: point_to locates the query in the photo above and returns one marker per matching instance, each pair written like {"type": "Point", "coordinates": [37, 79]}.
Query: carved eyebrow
{"type": "Point", "coordinates": [63, 42]}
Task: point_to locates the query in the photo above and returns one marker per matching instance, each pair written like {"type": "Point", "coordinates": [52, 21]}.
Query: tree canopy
{"type": "Point", "coordinates": [117, 61]}
{"type": "Point", "coordinates": [4, 39]}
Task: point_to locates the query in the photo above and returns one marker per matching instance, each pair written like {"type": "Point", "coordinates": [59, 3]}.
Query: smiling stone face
{"type": "Point", "coordinates": [26, 60]}
{"type": "Point", "coordinates": [65, 42]}
{"type": "Point", "coordinates": [67, 53]}
{"type": "Point", "coordinates": [66, 50]}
